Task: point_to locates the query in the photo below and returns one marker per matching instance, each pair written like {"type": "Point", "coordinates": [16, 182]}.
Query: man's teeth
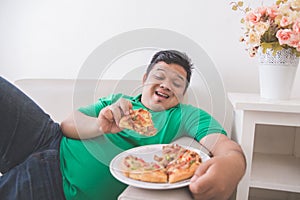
{"type": "Point", "coordinates": [161, 94]}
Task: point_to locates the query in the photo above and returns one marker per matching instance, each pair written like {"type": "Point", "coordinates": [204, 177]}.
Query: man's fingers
{"type": "Point", "coordinates": [107, 114]}
{"type": "Point", "coordinates": [200, 170]}
{"type": "Point", "coordinates": [199, 182]}
{"type": "Point", "coordinates": [199, 186]}
{"type": "Point", "coordinates": [121, 108]}
{"type": "Point", "coordinates": [125, 106]}
{"type": "Point", "coordinates": [116, 112]}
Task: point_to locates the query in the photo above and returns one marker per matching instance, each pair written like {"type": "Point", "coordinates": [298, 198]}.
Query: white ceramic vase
{"type": "Point", "coordinates": [277, 73]}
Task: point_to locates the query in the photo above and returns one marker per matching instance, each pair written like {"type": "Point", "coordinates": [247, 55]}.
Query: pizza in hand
{"type": "Point", "coordinates": [139, 121]}
{"type": "Point", "coordinates": [175, 164]}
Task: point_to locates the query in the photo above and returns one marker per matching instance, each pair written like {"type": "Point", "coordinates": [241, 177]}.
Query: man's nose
{"type": "Point", "coordinates": [165, 85]}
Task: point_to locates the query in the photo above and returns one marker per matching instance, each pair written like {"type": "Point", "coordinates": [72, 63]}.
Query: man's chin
{"type": "Point", "coordinates": [158, 107]}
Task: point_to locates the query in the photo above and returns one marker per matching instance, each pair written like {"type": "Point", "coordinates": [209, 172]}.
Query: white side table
{"type": "Point", "coordinates": [275, 172]}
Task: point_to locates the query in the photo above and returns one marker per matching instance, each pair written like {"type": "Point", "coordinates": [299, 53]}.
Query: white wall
{"type": "Point", "coordinates": [52, 38]}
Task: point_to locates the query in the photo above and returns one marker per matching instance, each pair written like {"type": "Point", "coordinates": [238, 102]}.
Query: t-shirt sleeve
{"type": "Point", "coordinates": [93, 110]}
{"type": "Point", "coordinates": [198, 123]}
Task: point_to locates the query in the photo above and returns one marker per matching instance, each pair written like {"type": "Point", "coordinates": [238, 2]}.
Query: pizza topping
{"type": "Point", "coordinates": [169, 153]}
{"type": "Point", "coordinates": [139, 121]}
{"type": "Point", "coordinates": [135, 163]}
{"type": "Point", "coordinates": [132, 162]}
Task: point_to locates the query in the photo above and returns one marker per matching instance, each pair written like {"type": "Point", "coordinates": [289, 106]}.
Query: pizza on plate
{"type": "Point", "coordinates": [138, 169]}
{"type": "Point", "coordinates": [140, 121]}
{"type": "Point", "coordinates": [175, 164]}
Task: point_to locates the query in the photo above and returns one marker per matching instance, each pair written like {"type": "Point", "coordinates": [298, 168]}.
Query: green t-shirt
{"type": "Point", "coordinates": [85, 163]}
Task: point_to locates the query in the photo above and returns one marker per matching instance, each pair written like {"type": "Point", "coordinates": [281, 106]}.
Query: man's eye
{"type": "Point", "coordinates": [177, 84]}
{"type": "Point", "coordinates": [158, 77]}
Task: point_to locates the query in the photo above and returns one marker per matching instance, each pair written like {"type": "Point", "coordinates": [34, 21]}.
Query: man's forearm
{"type": "Point", "coordinates": [221, 145]}
{"type": "Point", "coordinates": [80, 126]}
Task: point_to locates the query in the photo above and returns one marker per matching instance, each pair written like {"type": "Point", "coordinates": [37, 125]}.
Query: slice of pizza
{"type": "Point", "coordinates": [184, 166]}
{"type": "Point", "coordinates": [139, 121]}
{"type": "Point", "coordinates": [180, 163]}
{"type": "Point", "coordinates": [136, 168]}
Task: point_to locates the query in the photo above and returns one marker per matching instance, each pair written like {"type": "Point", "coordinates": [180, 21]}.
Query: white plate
{"type": "Point", "coordinates": [147, 153]}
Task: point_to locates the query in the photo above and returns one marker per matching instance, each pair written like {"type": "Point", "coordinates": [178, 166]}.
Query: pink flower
{"type": "Point", "coordinates": [272, 11]}
{"type": "Point", "coordinates": [261, 10]}
{"type": "Point", "coordinates": [284, 36]}
{"type": "Point", "coordinates": [253, 17]}
{"type": "Point", "coordinates": [285, 21]}
{"type": "Point", "coordinates": [294, 40]}
{"type": "Point", "coordinates": [296, 26]}
{"type": "Point", "coordinates": [297, 45]}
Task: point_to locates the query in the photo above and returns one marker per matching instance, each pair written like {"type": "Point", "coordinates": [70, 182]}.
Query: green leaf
{"type": "Point", "coordinates": [275, 46]}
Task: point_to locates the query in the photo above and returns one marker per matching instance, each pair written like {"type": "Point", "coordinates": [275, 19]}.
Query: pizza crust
{"type": "Point", "coordinates": [158, 176]}
{"type": "Point", "coordinates": [182, 174]}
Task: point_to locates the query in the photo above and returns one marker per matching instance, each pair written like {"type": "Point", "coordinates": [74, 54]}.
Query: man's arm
{"type": "Point", "coordinates": [81, 126]}
{"type": "Point", "coordinates": [218, 177]}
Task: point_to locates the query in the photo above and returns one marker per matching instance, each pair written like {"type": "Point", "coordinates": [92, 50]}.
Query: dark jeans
{"type": "Point", "coordinates": [29, 149]}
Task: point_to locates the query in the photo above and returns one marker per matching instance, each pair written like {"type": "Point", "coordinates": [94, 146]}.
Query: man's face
{"type": "Point", "coordinates": [164, 86]}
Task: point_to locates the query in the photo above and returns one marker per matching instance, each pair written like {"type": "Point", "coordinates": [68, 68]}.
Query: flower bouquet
{"type": "Point", "coordinates": [273, 27]}
{"type": "Point", "coordinates": [273, 32]}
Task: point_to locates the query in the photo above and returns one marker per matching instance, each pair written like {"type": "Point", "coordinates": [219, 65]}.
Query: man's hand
{"type": "Point", "coordinates": [217, 178]}
{"type": "Point", "coordinates": [109, 117]}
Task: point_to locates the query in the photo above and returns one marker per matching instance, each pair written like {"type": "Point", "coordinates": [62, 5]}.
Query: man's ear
{"type": "Point", "coordinates": [144, 78]}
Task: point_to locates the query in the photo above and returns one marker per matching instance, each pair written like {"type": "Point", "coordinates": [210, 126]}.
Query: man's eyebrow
{"type": "Point", "coordinates": [179, 76]}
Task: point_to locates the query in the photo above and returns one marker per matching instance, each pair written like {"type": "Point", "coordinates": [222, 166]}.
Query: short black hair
{"type": "Point", "coordinates": [172, 57]}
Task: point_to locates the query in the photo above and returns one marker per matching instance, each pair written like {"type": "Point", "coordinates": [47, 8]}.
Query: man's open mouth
{"type": "Point", "coordinates": [161, 94]}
